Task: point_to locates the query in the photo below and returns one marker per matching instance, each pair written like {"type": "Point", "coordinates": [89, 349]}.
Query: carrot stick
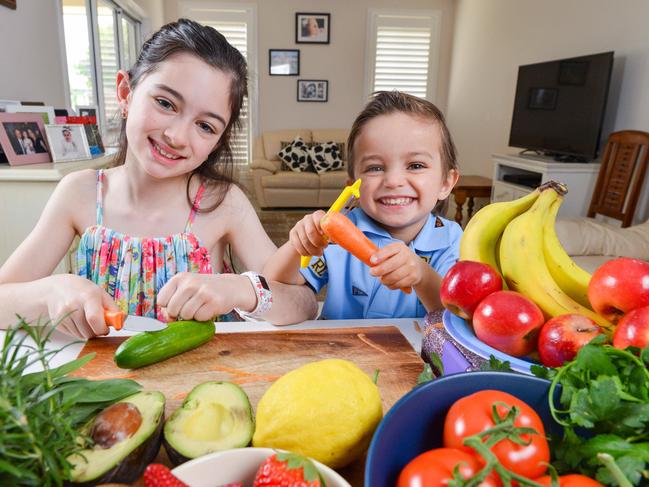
{"type": "Point", "coordinates": [114, 319]}
{"type": "Point", "coordinates": [342, 231]}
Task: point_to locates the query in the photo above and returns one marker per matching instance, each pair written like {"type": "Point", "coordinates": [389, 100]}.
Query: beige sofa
{"type": "Point", "coordinates": [591, 243]}
{"type": "Point", "coordinates": [276, 186]}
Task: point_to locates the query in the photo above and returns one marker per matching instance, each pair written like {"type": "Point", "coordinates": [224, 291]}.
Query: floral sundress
{"type": "Point", "coordinates": [134, 269]}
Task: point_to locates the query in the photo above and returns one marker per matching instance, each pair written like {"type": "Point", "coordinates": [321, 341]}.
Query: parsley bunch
{"type": "Point", "coordinates": [42, 413]}
{"type": "Point", "coordinates": [603, 406]}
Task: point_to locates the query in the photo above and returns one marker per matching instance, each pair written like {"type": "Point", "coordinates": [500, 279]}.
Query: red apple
{"type": "Point", "coordinates": [632, 329]}
{"type": "Point", "coordinates": [466, 284]}
{"type": "Point", "coordinates": [619, 286]}
{"type": "Point", "coordinates": [509, 322]}
{"type": "Point", "coordinates": [562, 336]}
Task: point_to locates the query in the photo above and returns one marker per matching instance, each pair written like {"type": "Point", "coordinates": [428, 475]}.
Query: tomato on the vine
{"type": "Point", "coordinates": [572, 480]}
{"type": "Point", "coordinates": [473, 414]}
{"type": "Point", "coordinates": [434, 468]}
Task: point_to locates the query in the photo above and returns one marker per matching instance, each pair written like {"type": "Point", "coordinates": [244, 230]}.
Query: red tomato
{"type": "Point", "coordinates": [434, 468]}
{"type": "Point", "coordinates": [473, 414]}
{"type": "Point", "coordinates": [572, 480]}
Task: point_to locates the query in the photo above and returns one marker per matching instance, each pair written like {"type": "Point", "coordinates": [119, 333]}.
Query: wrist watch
{"type": "Point", "coordinates": [263, 293]}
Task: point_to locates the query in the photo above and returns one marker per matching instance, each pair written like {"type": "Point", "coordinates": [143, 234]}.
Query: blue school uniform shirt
{"type": "Point", "coordinates": [352, 292]}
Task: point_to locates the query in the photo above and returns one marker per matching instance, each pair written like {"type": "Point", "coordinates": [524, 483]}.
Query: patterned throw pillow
{"type": "Point", "coordinates": [325, 157]}
{"type": "Point", "coordinates": [295, 155]}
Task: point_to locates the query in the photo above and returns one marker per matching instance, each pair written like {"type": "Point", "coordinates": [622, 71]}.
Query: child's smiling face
{"type": "Point", "coordinates": [398, 157]}
{"type": "Point", "coordinates": [177, 114]}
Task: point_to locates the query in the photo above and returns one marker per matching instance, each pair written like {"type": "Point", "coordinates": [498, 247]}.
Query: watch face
{"type": "Point", "coordinates": [264, 283]}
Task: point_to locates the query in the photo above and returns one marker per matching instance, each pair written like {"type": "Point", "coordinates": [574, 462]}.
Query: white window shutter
{"type": "Point", "coordinates": [403, 47]}
{"type": "Point", "coordinates": [235, 24]}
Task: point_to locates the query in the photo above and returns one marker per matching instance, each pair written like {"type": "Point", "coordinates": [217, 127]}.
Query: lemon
{"type": "Point", "coordinates": [326, 410]}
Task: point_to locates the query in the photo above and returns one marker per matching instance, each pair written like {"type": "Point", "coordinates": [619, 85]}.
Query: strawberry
{"type": "Point", "coordinates": [157, 475]}
{"type": "Point", "coordinates": [290, 470]}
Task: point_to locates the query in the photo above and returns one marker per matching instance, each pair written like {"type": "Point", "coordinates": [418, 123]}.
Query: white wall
{"type": "Point", "coordinates": [30, 60]}
{"type": "Point", "coordinates": [342, 62]}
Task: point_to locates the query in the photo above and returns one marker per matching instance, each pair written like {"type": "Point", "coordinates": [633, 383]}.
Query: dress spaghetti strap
{"type": "Point", "coordinates": [100, 196]}
{"type": "Point", "coordinates": [195, 207]}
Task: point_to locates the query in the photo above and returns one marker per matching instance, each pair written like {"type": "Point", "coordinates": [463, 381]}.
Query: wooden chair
{"type": "Point", "coordinates": [622, 172]}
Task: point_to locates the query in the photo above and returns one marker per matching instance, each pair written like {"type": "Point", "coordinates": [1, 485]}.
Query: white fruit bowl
{"type": "Point", "coordinates": [238, 465]}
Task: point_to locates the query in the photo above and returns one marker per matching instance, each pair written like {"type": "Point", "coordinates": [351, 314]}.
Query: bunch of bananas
{"type": "Point", "coordinates": [518, 239]}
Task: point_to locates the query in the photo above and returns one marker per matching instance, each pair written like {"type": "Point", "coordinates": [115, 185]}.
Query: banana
{"type": "Point", "coordinates": [571, 278]}
{"type": "Point", "coordinates": [480, 239]}
{"type": "Point", "coordinates": [523, 263]}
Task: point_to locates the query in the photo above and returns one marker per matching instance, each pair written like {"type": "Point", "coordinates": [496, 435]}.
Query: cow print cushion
{"type": "Point", "coordinates": [295, 155]}
{"type": "Point", "coordinates": [325, 157]}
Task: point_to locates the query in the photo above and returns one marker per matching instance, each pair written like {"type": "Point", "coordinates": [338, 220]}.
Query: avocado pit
{"type": "Point", "coordinates": [116, 423]}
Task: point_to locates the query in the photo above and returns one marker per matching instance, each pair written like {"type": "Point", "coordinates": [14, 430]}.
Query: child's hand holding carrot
{"type": "Point", "coordinates": [398, 267]}
{"type": "Point", "coordinates": [307, 237]}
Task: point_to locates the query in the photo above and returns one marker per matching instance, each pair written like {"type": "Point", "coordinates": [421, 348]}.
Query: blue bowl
{"type": "Point", "coordinates": [415, 423]}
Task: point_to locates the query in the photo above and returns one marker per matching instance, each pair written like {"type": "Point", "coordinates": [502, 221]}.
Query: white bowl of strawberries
{"type": "Point", "coordinates": [248, 467]}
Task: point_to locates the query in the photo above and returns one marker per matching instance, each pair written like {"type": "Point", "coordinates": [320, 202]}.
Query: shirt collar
{"type": "Point", "coordinates": [431, 237]}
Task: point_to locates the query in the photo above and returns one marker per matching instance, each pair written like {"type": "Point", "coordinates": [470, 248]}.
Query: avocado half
{"type": "Point", "coordinates": [126, 438]}
{"type": "Point", "coordinates": [214, 416]}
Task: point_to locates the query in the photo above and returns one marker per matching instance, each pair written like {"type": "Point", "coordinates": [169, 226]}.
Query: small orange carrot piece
{"type": "Point", "coordinates": [342, 231]}
{"type": "Point", "coordinates": [114, 319]}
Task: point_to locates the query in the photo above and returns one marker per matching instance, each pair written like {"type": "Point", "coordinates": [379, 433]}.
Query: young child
{"type": "Point", "coordinates": [400, 147]}
{"type": "Point", "coordinates": [154, 228]}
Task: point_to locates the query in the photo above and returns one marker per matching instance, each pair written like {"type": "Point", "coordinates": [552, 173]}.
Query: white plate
{"type": "Point", "coordinates": [238, 465]}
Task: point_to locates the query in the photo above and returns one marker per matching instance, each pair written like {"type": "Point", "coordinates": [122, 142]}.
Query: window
{"type": "Point", "coordinates": [403, 47]}
{"type": "Point", "coordinates": [100, 39]}
{"type": "Point", "coordinates": [237, 22]}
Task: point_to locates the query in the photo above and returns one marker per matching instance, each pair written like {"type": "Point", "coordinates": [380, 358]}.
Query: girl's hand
{"type": "Point", "coordinates": [76, 306]}
{"type": "Point", "coordinates": [203, 297]}
{"type": "Point", "coordinates": [397, 266]}
{"type": "Point", "coordinates": [307, 237]}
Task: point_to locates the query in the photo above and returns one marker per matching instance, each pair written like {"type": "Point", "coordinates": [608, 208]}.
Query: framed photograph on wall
{"type": "Point", "coordinates": [23, 140]}
{"type": "Point", "coordinates": [312, 28]}
{"type": "Point", "coordinates": [68, 142]}
{"type": "Point", "coordinates": [312, 90]}
{"type": "Point", "coordinates": [283, 62]}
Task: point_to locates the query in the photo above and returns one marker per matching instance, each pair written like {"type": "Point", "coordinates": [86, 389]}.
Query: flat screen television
{"type": "Point", "coordinates": [559, 106]}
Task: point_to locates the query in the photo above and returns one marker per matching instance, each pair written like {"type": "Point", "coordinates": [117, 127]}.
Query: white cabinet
{"type": "Point", "coordinates": [516, 175]}
{"type": "Point", "coordinates": [24, 190]}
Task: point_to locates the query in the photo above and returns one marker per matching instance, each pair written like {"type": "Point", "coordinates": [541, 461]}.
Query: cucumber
{"type": "Point", "coordinates": [151, 347]}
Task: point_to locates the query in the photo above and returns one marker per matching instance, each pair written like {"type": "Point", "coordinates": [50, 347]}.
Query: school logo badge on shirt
{"type": "Point", "coordinates": [358, 292]}
{"type": "Point", "coordinates": [319, 266]}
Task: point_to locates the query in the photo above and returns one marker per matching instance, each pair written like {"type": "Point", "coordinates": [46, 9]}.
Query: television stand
{"type": "Point", "coordinates": [516, 175]}
{"type": "Point", "coordinates": [566, 157]}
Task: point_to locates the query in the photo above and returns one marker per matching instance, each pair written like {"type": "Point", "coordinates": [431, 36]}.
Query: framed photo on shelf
{"type": "Point", "coordinates": [312, 28]}
{"type": "Point", "coordinates": [46, 112]}
{"type": "Point", "coordinates": [284, 62]}
{"type": "Point", "coordinates": [312, 90]}
{"type": "Point", "coordinates": [68, 142]}
{"type": "Point", "coordinates": [23, 140]}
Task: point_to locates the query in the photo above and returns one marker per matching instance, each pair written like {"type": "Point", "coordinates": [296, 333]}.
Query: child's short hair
{"type": "Point", "coordinates": [386, 102]}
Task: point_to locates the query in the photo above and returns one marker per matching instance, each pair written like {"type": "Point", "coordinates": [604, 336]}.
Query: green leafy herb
{"type": "Point", "coordinates": [428, 373]}
{"type": "Point", "coordinates": [496, 365]}
{"type": "Point", "coordinates": [604, 409]}
{"type": "Point", "coordinates": [41, 413]}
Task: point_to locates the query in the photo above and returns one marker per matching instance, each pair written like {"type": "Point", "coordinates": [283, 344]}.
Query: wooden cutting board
{"type": "Point", "coordinates": [255, 360]}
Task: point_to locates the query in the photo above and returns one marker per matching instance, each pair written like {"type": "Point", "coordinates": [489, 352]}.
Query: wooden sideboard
{"type": "Point", "coordinates": [24, 191]}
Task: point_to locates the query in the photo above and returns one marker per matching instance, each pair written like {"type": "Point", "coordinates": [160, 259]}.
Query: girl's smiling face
{"type": "Point", "coordinates": [176, 115]}
{"type": "Point", "coordinates": [398, 157]}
